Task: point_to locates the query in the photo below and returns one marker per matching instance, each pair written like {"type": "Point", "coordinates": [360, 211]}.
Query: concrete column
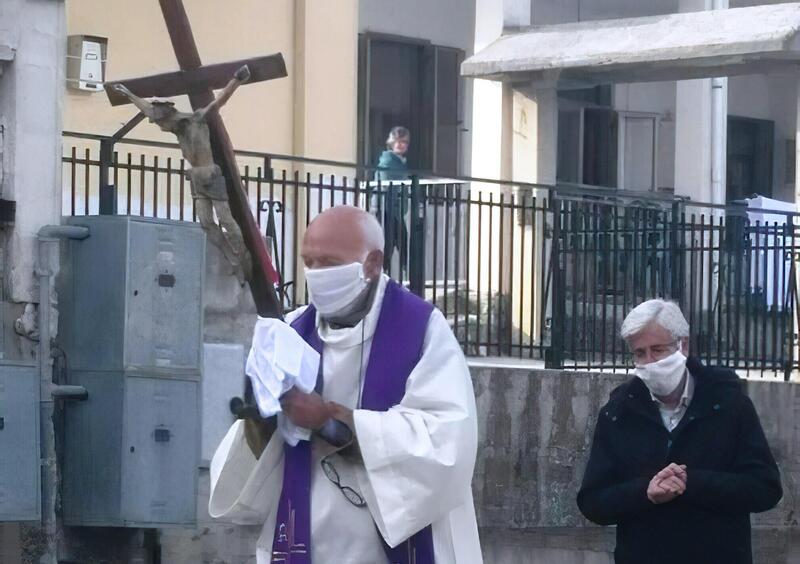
{"type": "Point", "coordinates": [516, 13]}
{"type": "Point", "coordinates": [535, 135]}
{"type": "Point", "coordinates": [701, 129]}
{"type": "Point", "coordinates": [507, 113]}
{"type": "Point", "coordinates": [31, 94]}
{"type": "Point", "coordinates": [719, 129]}
{"type": "Point", "coordinates": [693, 139]}
{"type": "Point", "coordinates": [719, 139]}
{"type": "Point", "coordinates": [535, 146]}
{"type": "Point", "coordinates": [797, 150]}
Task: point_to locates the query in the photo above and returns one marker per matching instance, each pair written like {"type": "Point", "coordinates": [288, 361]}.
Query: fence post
{"type": "Point", "coordinates": [676, 284]}
{"type": "Point", "coordinates": [108, 192]}
{"type": "Point", "coordinates": [416, 250]}
{"type": "Point", "coordinates": [554, 355]}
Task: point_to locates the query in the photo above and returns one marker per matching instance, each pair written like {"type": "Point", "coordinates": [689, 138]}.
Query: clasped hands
{"type": "Point", "coordinates": [310, 411]}
{"type": "Point", "coordinates": [667, 484]}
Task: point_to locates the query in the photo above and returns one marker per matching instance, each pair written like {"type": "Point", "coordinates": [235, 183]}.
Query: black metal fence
{"type": "Point", "coordinates": [519, 270]}
{"type": "Point", "coordinates": [732, 272]}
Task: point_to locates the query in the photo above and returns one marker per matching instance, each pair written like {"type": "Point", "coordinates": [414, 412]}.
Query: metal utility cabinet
{"type": "Point", "coordinates": [20, 472]}
{"type": "Point", "coordinates": [131, 325]}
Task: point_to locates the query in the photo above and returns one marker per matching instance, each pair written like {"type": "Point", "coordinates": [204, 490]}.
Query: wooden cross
{"type": "Point", "coordinates": [198, 82]}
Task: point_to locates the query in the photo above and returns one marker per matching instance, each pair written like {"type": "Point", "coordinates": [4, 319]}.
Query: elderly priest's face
{"type": "Point", "coordinates": [343, 235]}
{"type": "Point", "coordinates": [343, 253]}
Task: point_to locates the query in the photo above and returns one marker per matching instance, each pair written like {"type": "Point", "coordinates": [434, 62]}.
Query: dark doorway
{"type": "Point", "coordinates": [750, 148]}
{"type": "Point", "coordinates": [414, 84]}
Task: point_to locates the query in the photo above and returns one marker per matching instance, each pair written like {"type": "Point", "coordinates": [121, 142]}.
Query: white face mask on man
{"type": "Point", "coordinates": [333, 289]}
{"type": "Point", "coordinates": [664, 376]}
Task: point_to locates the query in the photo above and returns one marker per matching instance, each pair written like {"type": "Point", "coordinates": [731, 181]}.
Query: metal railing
{"type": "Point", "coordinates": [523, 270]}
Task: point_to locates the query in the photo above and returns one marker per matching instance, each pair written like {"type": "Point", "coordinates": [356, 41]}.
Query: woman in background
{"type": "Point", "coordinates": [392, 163]}
{"type": "Point", "coordinates": [392, 167]}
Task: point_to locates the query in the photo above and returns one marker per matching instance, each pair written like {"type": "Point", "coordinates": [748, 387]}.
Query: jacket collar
{"type": "Point", "coordinates": [715, 390]}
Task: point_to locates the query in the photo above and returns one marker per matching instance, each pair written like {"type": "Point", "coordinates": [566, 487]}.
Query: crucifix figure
{"type": "Point", "coordinates": [206, 181]}
{"type": "Point", "coordinates": [198, 81]}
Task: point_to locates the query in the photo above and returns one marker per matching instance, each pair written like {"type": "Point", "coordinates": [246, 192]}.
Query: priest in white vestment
{"type": "Point", "coordinates": [406, 470]}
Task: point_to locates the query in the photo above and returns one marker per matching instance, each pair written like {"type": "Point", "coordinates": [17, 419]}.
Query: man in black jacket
{"type": "Point", "coordinates": [679, 459]}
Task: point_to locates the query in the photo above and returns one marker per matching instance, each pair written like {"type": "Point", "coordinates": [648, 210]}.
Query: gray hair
{"type": "Point", "coordinates": [662, 312]}
{"type": "Point", "coordinates": [396, 133]}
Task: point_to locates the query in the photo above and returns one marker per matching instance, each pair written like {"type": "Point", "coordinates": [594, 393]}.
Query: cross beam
{"type": "Point", "coordinates": [197, 81]}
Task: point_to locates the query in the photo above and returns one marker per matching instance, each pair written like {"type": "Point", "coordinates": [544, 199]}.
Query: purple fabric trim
{"type": "Point", "coordinates": [291, 541]}
{"type": "Point", "coordinates": [396, 349]}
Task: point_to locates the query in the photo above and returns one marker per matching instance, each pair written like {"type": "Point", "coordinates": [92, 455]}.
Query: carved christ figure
{"type": "Point", "coordinates": [206, 180]}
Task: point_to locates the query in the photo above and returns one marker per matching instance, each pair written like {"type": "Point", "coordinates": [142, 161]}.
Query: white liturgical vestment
{"type": "Point", "coordinates": [416, 459]}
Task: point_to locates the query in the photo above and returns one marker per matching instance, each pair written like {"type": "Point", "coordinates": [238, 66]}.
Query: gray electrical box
{"type": "Point", "coordinates": [131, 295]}
{"type": "Point", "coordinates": [132, 451]}
{"type": "Point", "coordinates": [20, 471]}
{"type": "Point", "coordinates": [131, 314]}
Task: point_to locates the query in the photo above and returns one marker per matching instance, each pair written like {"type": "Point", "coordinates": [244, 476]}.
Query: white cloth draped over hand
{"type": "Point", "coordinates": [279, 360]}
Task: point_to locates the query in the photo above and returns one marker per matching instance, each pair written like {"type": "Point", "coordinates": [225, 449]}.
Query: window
{"type": "Point", "coordinates": [749, 170]}
{"type": "Point", "coordinates": [603, 147]}
{"type": "Point", "coordinates": [638, 137]}
{"type": "Point", "coordinates": [416, 85]}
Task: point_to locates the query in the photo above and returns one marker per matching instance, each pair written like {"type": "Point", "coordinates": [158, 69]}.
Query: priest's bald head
{"type": "Point", "coordinates": [343, 254]}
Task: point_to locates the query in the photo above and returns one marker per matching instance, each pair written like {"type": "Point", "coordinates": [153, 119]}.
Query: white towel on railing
{"type": "Point", "coordinates": [280, 360]}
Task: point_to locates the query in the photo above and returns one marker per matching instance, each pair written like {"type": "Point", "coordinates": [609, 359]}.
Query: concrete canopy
{"type": "Point", "coordinates": [751, 40]}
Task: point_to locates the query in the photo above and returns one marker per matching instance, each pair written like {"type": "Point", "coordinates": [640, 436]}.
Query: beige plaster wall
{"type": "Point", "coordinates": [317, 39]}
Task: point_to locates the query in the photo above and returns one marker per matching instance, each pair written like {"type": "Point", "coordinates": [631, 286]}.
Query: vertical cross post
{"type": "Point", "coordinates": [264, 276]}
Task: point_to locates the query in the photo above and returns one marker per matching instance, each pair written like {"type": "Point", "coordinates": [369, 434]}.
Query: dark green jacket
{"type": "Point", "coordinates": [391, 167]}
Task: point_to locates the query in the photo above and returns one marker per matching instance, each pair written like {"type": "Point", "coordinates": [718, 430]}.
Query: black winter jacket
{"type": "Point", "coordinates": [730, 473]}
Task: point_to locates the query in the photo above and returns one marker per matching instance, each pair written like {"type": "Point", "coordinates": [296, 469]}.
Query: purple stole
{"type": "Point", "coordinates": [396, 349]}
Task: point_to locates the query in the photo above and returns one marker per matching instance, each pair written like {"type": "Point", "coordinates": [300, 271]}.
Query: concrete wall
{"type": "Point", "coordinates": [535, 433]}
{"type": "Point", "coordinates": [535, 429]}
{"type": "Point", "coordinates": [31, 88]}
{"type": "Point", "coordinates": [30, 146]}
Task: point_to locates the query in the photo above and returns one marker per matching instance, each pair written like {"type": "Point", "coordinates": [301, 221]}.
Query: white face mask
{"type": "Point", "coordinates": [663, 377]}
{"type": "Point", "coordinates": [333, 289]}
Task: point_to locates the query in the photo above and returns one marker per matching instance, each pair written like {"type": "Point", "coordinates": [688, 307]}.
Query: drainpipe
{"type": "Point", "coordinates": [48, 238]}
